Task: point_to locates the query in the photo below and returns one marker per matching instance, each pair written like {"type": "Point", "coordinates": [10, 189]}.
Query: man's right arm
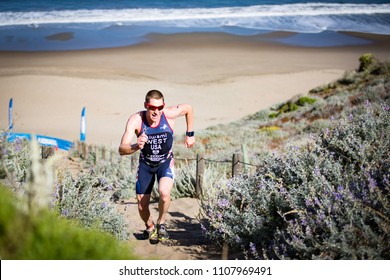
{"type": "Point", "coordinates": [125, 147]}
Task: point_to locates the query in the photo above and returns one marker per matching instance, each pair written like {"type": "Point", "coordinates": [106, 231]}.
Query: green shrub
{"type": "Point", "coordinates": [46, 236]}
{"type": "Point", "coordinates": [85, 196]}
{"type": "Point", "coordinates": [348, 78]}
{"type": "Point", "coordinates": [303, 100]}
{"type": "Point", "coordinates": [292, 106]}
{"type": "Point", "coordinates": [366, 60]}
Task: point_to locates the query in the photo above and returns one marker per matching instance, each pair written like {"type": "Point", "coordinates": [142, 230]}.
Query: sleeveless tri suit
{"type": "Point", "coordinates": [156, 158]}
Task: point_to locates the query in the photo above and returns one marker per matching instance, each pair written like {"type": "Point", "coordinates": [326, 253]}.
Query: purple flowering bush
{"type": "Point", "coordinates": [118, 173]}
{"type": "Point", "coordinates": [327, 199]}
{"type": "Point", "coordinates": [87, 198]}
{"type": "Point", "coordinates": [14, 160]}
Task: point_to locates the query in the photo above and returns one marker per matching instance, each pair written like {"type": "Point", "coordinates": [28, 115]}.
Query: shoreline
{"type": "Point", "coordinates": [225, 78]}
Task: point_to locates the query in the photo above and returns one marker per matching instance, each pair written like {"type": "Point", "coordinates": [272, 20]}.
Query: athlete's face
{"type": "Point", "coordinates": [155, 108]}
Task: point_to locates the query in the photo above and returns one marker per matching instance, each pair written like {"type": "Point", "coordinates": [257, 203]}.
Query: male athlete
{"type": "Point", "coordinates": [154, 130]}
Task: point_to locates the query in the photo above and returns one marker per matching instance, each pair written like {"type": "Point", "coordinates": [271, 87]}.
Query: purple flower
{"type": "Point", "coordinates": [65, 212]}
{"type": "Point", "coordinates": [18, 147]}
{"type": "Point", "coordinates": [316, 171]}
{"type": "Point", "coordinates": [308, 202]}
{"type": "Point", "coordinates": [56, 194]}
{"type": "Point", "coordinates": [203, 228]}
{"type": "Point", "coordinates": [104, 205]}
{"type": "Point", "coordinates": [308, 231]}
{"type": "Point", "coordinates": [371, 183]}
{"type": "Point", "coordinates": [223, 203]}
{"type": "Point", "coordinates": [327, 131]}
{"type": "Point", "coordinates": [261, 186]}
{"type": "Point", "coordinates": [252, 248]}
{"type": "Point", "coordinates": [337, 196]}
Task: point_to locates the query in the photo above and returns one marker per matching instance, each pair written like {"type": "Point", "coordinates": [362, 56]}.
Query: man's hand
{"type": "Point", "coordinates": [142, 139]}
{"type": "Point", "coordinates": [190, 141]}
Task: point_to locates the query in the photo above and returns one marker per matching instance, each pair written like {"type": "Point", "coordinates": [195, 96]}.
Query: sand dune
{"type": "Point", "coordinates": [224, 77]}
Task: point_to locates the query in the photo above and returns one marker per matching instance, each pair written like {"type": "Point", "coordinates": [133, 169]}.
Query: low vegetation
{"type": "Point", "coordinates": [327, 199]}
{"type": "Point", "coordinates": [30, 229]}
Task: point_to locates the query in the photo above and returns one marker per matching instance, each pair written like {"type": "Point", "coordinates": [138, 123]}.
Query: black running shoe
{"type": "Point", "coordinates": [162, 232]}
{"type": "Point", "coordinates": [149, 233]}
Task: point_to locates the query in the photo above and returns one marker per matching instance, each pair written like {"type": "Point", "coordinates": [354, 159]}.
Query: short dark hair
{"type": "Point", "coordinates": [154, 93]}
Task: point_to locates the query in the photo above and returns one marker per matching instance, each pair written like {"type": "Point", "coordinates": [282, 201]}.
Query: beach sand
{"type": "Point", "coordinates": [224, 77]}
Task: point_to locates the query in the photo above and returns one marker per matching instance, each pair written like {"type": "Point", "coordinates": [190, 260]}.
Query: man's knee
{"type": "Point", "coordinates": [143, 203]}
{"type": "Point", "coordinates": [164, 188]}
{"type": "Point", "coordinates": [142, 207]}
{"type": "Point", "coordinates": [165, 194]}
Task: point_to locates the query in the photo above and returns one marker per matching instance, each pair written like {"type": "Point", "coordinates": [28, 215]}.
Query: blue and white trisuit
{"type": "Point", "coordinates": [156, 158]}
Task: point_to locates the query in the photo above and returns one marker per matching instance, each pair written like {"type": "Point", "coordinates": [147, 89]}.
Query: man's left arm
{"type": "Point", "coordinates": [187, 111]}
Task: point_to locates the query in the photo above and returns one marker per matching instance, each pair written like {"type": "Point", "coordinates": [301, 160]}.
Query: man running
{"type": "Point", "coordinates": [154, 130]}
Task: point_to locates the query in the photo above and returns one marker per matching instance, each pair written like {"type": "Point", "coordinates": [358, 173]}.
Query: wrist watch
{"type": "Point", "coordinates": [190, 133]}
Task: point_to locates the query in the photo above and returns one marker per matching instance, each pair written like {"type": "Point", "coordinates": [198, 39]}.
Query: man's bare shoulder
{"type": "Point", "coordinates": [136, 116]}
{"type": "Point", "coordinates": [173, 111]}
{"type": "Point", "coordinates": [134, 121]}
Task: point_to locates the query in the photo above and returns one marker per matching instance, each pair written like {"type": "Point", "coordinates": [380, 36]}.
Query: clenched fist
{"type": "Point", "coordinates": [142, 139]}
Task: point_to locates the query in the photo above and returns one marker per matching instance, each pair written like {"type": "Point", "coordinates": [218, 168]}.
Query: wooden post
{"type": "Point", "coordinates": [47, 151]}
{"type": "Point", "coordinates": [103, 153]}
{"type": "Point", "coordinates": [91, 149]}
{"type": "Point", "coordinates": [79, 148]}
{"type": "Point", "coordinates": [84, 149]}
{"type": "Point", "coordinates": [225, 251]}
{"type": "Point", "coordinates": [244, 156]}
{"type": "Point", "coordinates": [200, 167]}
{"type": "Point", "coordinates": [237, 164]}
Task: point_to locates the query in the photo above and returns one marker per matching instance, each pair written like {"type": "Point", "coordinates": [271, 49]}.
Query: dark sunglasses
{"type": "Point", "coordinates": [154, 108]}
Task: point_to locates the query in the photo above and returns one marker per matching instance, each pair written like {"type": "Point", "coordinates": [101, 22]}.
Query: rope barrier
{"type": "Point", "coordinates": [225, 161]}
{"type": "Point", "coordinates": [216, 161]}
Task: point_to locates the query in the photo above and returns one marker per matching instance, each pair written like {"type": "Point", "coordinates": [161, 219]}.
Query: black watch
{"type": "Point", "coordinates": [190, 133]}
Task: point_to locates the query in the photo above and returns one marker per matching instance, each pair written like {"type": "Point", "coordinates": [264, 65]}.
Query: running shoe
{"type": "Point", "coordinates": [149, 233]}
{"type": "Point", "coordinates": [162, 232]}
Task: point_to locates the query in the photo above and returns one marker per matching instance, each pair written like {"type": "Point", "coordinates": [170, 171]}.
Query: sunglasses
{"type": "Point", "coordinates": [154, 108]}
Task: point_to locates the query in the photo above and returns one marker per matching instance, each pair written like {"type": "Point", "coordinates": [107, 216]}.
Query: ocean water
{"type": "Point", "coordinates": [87, 24]}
